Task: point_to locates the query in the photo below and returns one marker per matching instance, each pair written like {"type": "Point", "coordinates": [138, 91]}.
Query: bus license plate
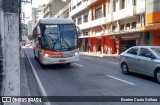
{"type": "Point", "coordinates": [63, 60]}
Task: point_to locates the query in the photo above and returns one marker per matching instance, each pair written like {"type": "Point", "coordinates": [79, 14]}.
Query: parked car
{"type": "Point", "coordinates": [141, 59]}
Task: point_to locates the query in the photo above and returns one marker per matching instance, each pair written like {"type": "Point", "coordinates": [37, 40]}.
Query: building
{"type": "Point", "coordinates": [30, 27]}
{"type": "Point", "coordinates": [40, 12]}
{"type": "Point", "coordinates": [24, 29]}
{"type": "Point", "coordinates": [80, 14]}
{"type": "Point", "coordinates": [33, 17]}
{"type": "Point", "coordinates": [115, 23]}
{"type": "Point", "coordinates": [152, 28]}
{"type": "Point", "coordinates": [54, 6]}
{"type": "Point", "coordinates": [64, 12]}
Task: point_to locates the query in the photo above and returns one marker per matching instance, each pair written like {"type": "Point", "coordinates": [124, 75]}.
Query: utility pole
{"type": "Point", "coordinates": [1, 45]}
{"type": "Point", "coordinates": [11, 58]}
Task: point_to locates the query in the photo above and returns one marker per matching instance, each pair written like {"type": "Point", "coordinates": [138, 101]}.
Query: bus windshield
{"type": "Point", "coordinates": [61, 37]}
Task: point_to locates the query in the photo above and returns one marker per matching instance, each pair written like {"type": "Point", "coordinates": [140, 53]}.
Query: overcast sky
{"type": "Point", "coordinates": [27, 8]}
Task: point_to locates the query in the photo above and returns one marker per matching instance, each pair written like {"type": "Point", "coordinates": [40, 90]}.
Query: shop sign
{"type": "Point", "coordinates": [130, 36]}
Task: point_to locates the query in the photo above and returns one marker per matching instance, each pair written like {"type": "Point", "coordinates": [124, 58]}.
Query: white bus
{"type": "Point", "coordinates": [55, 41]}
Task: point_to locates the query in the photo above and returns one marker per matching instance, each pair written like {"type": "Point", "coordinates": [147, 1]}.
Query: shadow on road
{"type": "Point", "coordinates": [142, 76]}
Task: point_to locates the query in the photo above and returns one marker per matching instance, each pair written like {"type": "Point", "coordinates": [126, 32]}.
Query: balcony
{"type": "Point", "coordinates": [93, 23]}
{"type": "Point", "coordinates": [121, 14]}
{"type": "Point", "coordinates": [78, 9]}
{"type": "Point", "coordinates": [93, 2]}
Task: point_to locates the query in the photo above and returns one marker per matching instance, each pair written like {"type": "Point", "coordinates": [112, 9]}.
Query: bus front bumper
{"type": "Point", "coordinates": [49, 61]}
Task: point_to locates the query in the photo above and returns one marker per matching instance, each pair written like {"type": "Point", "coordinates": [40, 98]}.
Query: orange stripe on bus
{"type": "Point", "coordinates": [52, 53]}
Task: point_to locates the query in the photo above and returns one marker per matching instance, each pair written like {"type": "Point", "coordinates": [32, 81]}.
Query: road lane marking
{"type": "Point", "coordinates": [43, 92]}
{"type": "Point", "coordinates": [121, 80]}
{"type": "Point", "coordinates": [78, 65]}
{"type": "Point", "coordinates": [114, 63]}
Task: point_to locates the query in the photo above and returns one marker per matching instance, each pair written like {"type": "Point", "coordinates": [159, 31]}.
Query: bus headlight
{"type": "Point", "coordinates": [46, 55]}
{"type": "Point", "coordinates": [76, 53]}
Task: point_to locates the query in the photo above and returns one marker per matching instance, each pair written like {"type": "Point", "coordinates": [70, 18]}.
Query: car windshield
{"type": "Point", "coordinates": [59, 37]}
{"type": "Point", "coordinates": [157, 51]}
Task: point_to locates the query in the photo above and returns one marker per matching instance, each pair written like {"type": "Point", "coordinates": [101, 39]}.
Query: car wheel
{"type": "Point", "coordinates": [68, 64]}
{"type": "Point", "coordinates": [124, 68]}
{"type": "Point", "coordinates": [157, 75]}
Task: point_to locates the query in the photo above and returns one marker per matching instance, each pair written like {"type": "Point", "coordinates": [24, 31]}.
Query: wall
{"type": "Point", "coordinates": [153, 10]}
{"type": "Point", "coordinates": [10, 36]}
{"type": "Point", "coordinates": [1, 45]}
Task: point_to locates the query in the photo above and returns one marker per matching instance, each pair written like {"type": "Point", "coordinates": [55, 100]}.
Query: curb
{"type": "Point", "coordinates": [40, 86]}
{"type": "Point", "coordinates": [102, 56]}
{"type": "Point", "coordinates": [24, 88]}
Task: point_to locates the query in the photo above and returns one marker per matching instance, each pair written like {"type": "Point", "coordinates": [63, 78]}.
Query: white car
{"type": "Point", "coordinates": [142, 59]}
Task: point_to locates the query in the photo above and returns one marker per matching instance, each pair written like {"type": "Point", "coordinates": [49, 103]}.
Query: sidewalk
{"type": "Point", "coordinates": [24, 87]}
{"type": "Point", "coordinates": [116, 56]}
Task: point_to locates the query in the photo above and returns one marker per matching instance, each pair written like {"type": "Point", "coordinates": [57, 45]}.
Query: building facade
{"type": "Point", "coordinates": [54, 6]}
{"type": "Point", "coordinates": [64, 12]}
{"type": "Point", "coordinates": [30, 28]}
{"type": "Point", "coordinates": [80, 14]}
{"type": "Point", "coordinates": [118, 24]}
{"type": "Point", "coordinates": [24, 29]}
{"type": "Point", "coordinates": [40, 12]}
{"type": "Point", "coordinates": [33, 17]}
{"type": "Point", "coordinates": [152, 28]}
{"type": "Point", "coordinates": [115, 23]}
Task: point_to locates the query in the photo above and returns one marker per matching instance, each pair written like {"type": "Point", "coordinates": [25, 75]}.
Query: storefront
{"type": "Point", "coordinates": [156, 38]}
{"type": "Point", "coordinates": [83, 44]}
{"type": "Point", "coordinates": [127, 41]}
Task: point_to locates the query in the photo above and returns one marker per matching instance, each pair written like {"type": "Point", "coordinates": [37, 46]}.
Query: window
{"type": "Point", "coordinates": [114, 28]}
{"type": "Point", "coordinates": [146, 53]}
{"type": "Point", "coordinates": [123, 4]}
{"type": "Point", "coordinates": [73, 7]}
{"type": "Point", "coordinates": [74, 21]}
{"type": "Point", "coordinates": [79, 20]}
{"type": "Point", "coordinates": [122, 27]}
{"type": "Point", "coordinates": [99, 13]}
{"type": "Point", "coordinates": [104, 10]}
{"type": "Point", "coordinates": [85, 34]}
{"type": "Point", "coordinates": [133, 51]}
{"type": "Point", "coordinates": [79, 3]}
{"type": "Point", "coordinates": [138, 19]}
{"type": "Point", "coordinates": [86, 18]}
{"type": "Point", "coordinates": [157, 51]}
{"type": "Point", "coordinates": [128, 25]}
{"type": "Point", "coordinates": [133, 25]}
{"type": "Point", "coordinates": [134, 2]}
{"type": "Point", "coordinates": [114, 6]}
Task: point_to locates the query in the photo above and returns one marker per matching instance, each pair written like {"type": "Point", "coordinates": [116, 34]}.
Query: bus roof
{"type": "Point", "coordinates": [56, 21]}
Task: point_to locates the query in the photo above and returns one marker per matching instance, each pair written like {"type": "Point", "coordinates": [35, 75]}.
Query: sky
{"type": "Point", "coordinates": [27, 8]}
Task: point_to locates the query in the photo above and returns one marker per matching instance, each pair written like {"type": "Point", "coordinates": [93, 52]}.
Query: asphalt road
{"type": "Point", "coordinates": [93, 76]}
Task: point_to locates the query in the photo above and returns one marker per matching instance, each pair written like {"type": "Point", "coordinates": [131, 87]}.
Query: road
{"type": "Point", "coordinates": [93, 76]}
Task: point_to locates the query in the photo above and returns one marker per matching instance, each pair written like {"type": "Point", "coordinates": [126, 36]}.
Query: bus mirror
{"type": "Point", "coordinates": [39, 40]}
{"type": "Point", "coordinates": [79, 31]}
{"type": "Point", "coordinates": [38, 32]}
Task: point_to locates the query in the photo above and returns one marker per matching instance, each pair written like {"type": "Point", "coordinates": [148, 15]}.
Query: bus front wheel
{"type": "Point", "coordinates": [68, 64]}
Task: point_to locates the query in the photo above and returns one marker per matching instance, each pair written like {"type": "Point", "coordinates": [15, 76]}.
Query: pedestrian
{"type": "Point", "coordinates": [88, 47]}
{"type": "Point", "coordinates": [106, 49]}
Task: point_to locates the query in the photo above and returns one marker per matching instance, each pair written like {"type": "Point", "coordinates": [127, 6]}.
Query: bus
{"type": "Point", "coordinates": [55, 41]}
